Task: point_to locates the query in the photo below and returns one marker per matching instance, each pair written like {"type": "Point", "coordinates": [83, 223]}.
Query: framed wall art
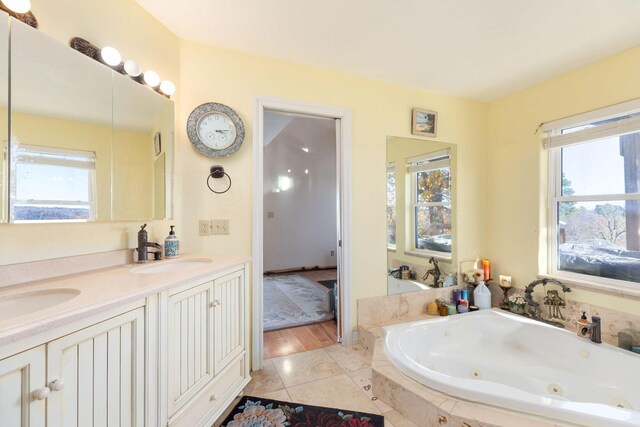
{"type": "Point", "coordinates": [424, 122]}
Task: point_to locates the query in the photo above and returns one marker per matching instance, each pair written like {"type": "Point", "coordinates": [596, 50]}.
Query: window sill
{"type": "Point", "coordinates": [390, 249]}
{"type": "Point", "coordinates": [435, 255]}
{"type": "Point", "coordinates": [614, 290]}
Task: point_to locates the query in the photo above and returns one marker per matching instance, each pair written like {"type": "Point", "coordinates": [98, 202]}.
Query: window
{"type": "Point", "coordinates": [52, 184]}
{"type": "Point", "coordinates": [431, 203]}
{"type": "Point", "coordinates": [391, 206]}
{"type": "Point", "coordinates": [595, 199]}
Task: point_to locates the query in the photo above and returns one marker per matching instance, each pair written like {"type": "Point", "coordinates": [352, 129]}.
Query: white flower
{"type": "Point", "coordinates": [516, 299]}
{"type": "Point", "coordinates": [259, 416]}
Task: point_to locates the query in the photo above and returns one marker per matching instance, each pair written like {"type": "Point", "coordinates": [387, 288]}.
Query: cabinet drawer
{"type": "Point", "coordinates": [215, 398]}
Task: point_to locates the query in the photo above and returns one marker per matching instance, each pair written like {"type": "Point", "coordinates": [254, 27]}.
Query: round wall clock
{"type": "Point", "coordinates": [215, 130]}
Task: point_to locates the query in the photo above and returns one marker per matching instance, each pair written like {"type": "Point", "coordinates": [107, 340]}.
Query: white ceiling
{"type": "Point", "coordinates": [477, 49]}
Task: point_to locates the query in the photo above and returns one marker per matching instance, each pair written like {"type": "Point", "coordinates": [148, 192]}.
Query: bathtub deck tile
{"type": "Point", "coordinates": [362, 379]}
{"type": "Point", "coordinates": [396, 419]}
{"type": "Point", "coordinates": [468, 414]}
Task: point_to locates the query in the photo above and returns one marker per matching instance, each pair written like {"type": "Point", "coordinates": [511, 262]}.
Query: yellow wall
{"type": "Point", "coordinates": [517, 167]}
{"type": "Point", "coordinates": [125, 25]}
{"type": "Point", "coordinates": [232, 78]}
{"type": "Point", "coordinates": [133, 157]}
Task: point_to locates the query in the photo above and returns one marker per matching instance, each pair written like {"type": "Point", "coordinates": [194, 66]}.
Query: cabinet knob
{"type": "Point", "coordinates": [215, 303]}
{"type": "Point", "coordinates": [42, 393]}
{"type": "Point", "coordinates": [56, 385]}
{"type": "Point", "coordinates": [212, 398]}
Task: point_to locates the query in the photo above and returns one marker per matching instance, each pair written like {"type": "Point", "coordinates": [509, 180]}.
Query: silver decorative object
{"type": "Point", "coordinates": [554, 302]}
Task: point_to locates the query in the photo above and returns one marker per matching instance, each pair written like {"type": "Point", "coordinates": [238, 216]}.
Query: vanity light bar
{"type": "Point", "coordinates": [21, 10]}
{"type": "Point", "coordinates": [110, 57]}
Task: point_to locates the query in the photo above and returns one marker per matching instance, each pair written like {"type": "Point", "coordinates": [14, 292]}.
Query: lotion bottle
{"type": "Point", "coordinates": [171, 245]}
{"type": "Point", "coordinates": [583, 323]}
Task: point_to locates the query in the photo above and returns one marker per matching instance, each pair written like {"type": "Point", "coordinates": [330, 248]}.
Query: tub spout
{"type": "Point", "coordinates": [594, 327]}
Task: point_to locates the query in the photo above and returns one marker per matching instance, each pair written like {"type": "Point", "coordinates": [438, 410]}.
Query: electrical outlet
{"type": "Point", "coordinates": [219, 226]}
{"type": "Point", "coordinates": [333, 253]}
{"type": "Point", "coordinates": [204, 229]}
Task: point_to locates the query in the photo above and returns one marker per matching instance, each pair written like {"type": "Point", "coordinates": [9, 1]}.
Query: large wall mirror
{"type": "Point", "coordinates": [87, 143]}
{"type": "Point", "coordinates": [421, 206]}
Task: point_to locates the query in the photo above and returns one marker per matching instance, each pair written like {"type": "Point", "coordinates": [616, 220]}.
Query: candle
{"type": "Point", "coordinates": [486, 266]}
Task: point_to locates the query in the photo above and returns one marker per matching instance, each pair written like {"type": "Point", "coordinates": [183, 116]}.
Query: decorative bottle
{"type": "Point", "coordinates": [171, 245]}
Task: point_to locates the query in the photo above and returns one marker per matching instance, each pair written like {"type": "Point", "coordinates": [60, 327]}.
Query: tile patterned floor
{"type": "Point", "coordinates": [334, 376]}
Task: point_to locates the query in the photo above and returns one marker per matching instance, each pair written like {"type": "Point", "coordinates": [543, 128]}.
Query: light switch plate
{"type": "Point", "coordinates": [204, 229]}
{"type": "Point", "coordinates": [219, 226]}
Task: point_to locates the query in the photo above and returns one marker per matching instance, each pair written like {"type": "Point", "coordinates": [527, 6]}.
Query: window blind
{"type": "Point", "coordinates": [429, 162]}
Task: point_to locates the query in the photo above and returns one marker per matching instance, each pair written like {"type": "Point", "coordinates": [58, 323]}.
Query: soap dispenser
{"type": "Point", "coordinates": [171, 245]}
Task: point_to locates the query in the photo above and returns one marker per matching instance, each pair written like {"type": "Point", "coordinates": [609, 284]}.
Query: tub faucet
{"type": "Point", "coordinates": [143, 244]}
{"type": "Point", "coordinates": [595, 329]}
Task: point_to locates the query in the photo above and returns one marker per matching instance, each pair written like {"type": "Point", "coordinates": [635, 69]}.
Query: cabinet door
{"type": "Point", "coordinates": [190, 343]}
{"type": "Point", "coordinates": [96, 375]}
{"type": "Point", "coordinates": [21, 378]}
{"type": "Point", "coordinates": [229, 322]}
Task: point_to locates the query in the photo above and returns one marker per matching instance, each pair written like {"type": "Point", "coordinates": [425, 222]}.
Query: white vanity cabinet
{"type": "Point", "coordinates": [92, 377]}
{"type": "Point", "coordinates": [22, 389]}
{"type": "Point", "coordinates": [173, 356]}
{"type": "Point", "coordinates": [96, 375]}
{"type": "Point", "coordinates": [207, 345]}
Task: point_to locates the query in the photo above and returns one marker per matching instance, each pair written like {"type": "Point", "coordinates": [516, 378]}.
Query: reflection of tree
{"type": "Point", "coordinates": [433, 187]}
{"type": "Point", "coordinates": [391, 208]}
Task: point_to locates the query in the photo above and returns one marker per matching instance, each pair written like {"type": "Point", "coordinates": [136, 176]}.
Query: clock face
{"type": "Point", "coordinates": [216, 130]}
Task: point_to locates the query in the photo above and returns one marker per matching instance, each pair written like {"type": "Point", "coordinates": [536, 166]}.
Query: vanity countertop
{"type": "Point", "coordinates": [104, 289]}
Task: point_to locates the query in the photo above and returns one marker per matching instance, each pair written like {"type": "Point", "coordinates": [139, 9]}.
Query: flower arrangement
{"type": "Point", "coordinates": [516, 299]}
{"type": "Point", "coordinates": [516, 303]}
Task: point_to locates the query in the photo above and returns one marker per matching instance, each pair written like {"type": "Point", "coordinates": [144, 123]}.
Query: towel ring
{"type": "Point", "coordinates": [218, 172]}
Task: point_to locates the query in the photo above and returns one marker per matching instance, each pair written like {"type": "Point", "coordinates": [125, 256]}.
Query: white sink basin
{"type": "Point", "coordinates": [13, 305]}
{"type": "Point", "coordinates": [171, 266]}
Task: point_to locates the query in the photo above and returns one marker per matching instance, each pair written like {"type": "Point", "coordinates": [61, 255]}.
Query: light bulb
{"type": "Point", "coordinates": [151, 78]}
{"type": "Point", "coordinates": [132, 68]}
{"type": "Point", "coordinates": [167, 87]}
{"type": "Point", "coordinates": [110, 56]}
{"type": "Point", "coordinates": [18, 6]}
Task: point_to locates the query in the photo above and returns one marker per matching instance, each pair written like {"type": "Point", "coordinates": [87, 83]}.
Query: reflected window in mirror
{"type": "Point", "coordinates": [53, 184]}
{"type": "Point", "coordinates": [391, 206]}
{"type": "Point", "coordinates": [431, 196]}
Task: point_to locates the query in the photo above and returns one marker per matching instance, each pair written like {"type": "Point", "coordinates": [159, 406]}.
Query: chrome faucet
{"type": "Point", "coordinates": [143, 244]}
{"type": "Point", "coordinates": [595, 328]}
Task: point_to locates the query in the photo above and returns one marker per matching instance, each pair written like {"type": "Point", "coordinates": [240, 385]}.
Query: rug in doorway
{"type": "Point", "coordinates": [291, 300]}
{"type": "Point", "coordinates": [256, 411]}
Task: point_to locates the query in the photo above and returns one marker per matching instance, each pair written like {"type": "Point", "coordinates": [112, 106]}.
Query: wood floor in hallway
{"type": "Point", "coordinates": [302, 338]}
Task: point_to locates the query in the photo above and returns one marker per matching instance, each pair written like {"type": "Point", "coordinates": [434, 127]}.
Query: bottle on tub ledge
{"type": "Point", "coordinates": [171, 244]}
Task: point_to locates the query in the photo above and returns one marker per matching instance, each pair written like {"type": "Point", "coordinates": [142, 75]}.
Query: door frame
{"type": "Point", "coordinates": [343, 139]}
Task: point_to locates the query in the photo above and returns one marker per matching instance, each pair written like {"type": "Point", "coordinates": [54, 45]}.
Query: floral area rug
{"type": "Point", "coordinates": [258, 412]}
{"type": "Point", "coordinates": [291, 300]}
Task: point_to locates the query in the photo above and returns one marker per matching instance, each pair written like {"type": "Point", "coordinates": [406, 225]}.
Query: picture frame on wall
{"type": "Point", "coordinates": [157, 143]}
{"type": "Point", "coordinates": [424, 123]}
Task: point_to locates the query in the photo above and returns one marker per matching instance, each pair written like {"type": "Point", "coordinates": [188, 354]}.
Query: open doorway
{"type": "Point", "coordinates": [340, 118]}
{"type": "Point", "coordinates": [300, 245]}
